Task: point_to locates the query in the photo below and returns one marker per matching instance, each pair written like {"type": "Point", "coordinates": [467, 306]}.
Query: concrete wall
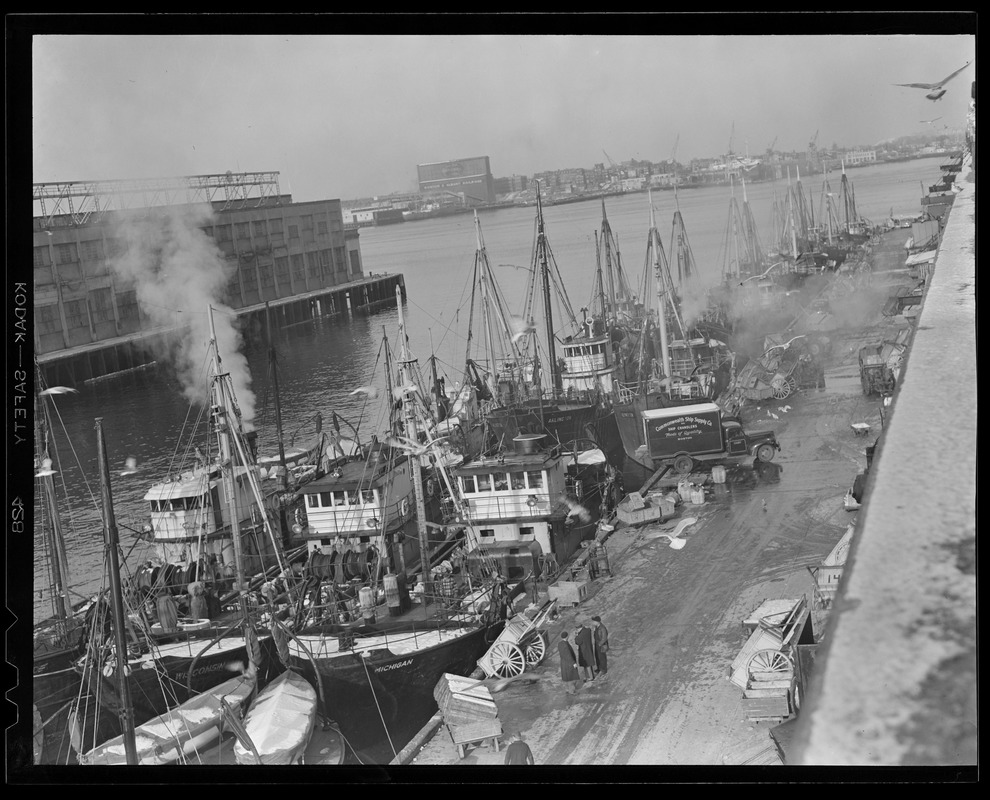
{"type": "Point", "coordinates": [896, 683]}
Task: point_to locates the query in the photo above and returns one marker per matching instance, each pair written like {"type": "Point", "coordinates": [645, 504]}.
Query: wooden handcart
{"type": "Point", "coordinates": [469, 712]}
{"type": "Point", "coordinates": [521, 644]}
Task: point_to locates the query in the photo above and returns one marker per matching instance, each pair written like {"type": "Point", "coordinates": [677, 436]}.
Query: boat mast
{"type": "Point", "coordinates": [412, 433]}
{"type": "Point", "coordinates": [55, 535]}
{"type": "Point", "coordinates": [222, 419]}
{"type": "Point", "coordinates": [541, 254]}
{"type": "Point", "coordinates": [112, 544]}
{"type": "Point", "coordinates": [606, 237]}
{"type": "Point", "coordinates": [661, 292]}
{"type": "Point", "coordinates": [482, 262]}
{"type": "Point", "coordinates": [283, 473]}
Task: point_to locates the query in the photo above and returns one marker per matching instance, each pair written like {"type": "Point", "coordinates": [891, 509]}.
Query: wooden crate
{"type": "Point", "coordinates": [571, 592]}
{"type": "Point", "coordinates": [777, 707]}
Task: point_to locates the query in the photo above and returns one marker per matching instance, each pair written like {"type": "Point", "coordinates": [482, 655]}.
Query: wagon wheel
{"type": "Point", "coordinates": [780, 388]}
{"type": "Point", "coordinates": [792, 382]}
{"type": "Point", "coordinates": [507, 660]}
{"type": "Point", "coordinates": [536, 649]}
{"type": "Point", "coordinates": [769, 661]}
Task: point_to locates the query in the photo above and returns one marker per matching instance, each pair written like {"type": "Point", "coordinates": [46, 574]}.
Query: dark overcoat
{"type": "Point", "coordinates": [568, 662]}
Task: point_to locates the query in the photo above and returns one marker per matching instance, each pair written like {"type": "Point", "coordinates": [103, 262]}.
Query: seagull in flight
{"type": "Point", "coordinates": [130, 466]}
{"type": "Point", "coordinates": [370, 391]}
{"type": "Point", "coordinates": [930, 121]}
{"type": "Point", "coordinates": [935, 90]}
{"type": "Point", "coordinates": [785, 345]}
{"type": "Point", "coordinates": [45, 468]}
{"type": "Point", "coordinates": [59, 390]}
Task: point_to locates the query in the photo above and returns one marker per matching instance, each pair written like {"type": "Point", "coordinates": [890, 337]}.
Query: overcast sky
{"type": "Point", "coordinates": [351, 116]}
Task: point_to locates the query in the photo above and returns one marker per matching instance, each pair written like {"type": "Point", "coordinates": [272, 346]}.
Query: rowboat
{"type": "Point", "coordinates": [181, 732]}
{"type": "Point", "coordinates": [280, 722]}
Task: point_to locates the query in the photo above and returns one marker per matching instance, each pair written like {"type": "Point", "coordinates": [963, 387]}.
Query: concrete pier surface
{"type": "Point", "coordinates": [675, 616]}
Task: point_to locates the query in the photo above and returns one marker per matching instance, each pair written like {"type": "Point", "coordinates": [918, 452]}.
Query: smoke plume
{"type": "Point", "coordinates": [178, 273]}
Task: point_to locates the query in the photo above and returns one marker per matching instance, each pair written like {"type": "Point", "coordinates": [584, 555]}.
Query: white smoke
{"type": "Point", "coordinates": [178, 273]}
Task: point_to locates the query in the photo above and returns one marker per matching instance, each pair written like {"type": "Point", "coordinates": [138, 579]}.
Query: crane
{"type": "Point", "coordinates": [673, 154]}
{"type": "Point", "coordinates": [611, 163]}
{"type": "Point", "coordinates": [814, 141]}
{"type": "Point", "coordinates": [770, 148]}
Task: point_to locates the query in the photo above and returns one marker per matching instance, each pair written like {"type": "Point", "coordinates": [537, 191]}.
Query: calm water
{"type": "Point", "coordinates": [320, 363]}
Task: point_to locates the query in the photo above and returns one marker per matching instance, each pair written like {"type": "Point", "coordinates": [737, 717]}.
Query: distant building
{"type": "Point", "coordinates": [90, 239]}
{"type": "Point", "coordinates": [467, 177]}
{"type": "Point", "coordinates": [854, 157]}
{"type": "Point", "coordinates": [514, 183]}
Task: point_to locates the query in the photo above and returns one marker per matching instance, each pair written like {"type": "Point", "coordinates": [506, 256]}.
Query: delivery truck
{"type": "Point", "coordinates": [682, 436]}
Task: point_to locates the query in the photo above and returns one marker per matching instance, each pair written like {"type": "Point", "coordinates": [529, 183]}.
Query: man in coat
{"type": "Point", "coordinates": [518, 752]}
{"type": "Point", "coordinates": [601, 646]}
{"type": "Point", "coordinates": [585, 650]}
{"type": "Point", "coordinates": [568, 665]}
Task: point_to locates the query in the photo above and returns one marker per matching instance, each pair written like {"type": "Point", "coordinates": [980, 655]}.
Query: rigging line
{"type": "Point", "coordinates": [374, 694]}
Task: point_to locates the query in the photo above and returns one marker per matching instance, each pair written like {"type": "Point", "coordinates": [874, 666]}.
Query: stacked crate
{"type": "Point", "coordinates": [468, 710]}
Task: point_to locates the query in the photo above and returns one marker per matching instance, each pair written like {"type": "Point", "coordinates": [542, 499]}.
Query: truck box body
{"type": "Point", "coordinates": [695, 429]}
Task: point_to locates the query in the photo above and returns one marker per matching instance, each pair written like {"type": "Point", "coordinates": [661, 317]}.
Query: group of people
{"type": "Point", "coordinates": [590, 661]}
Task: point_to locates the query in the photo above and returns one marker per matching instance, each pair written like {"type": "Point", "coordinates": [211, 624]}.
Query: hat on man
{"type": "Point", "coordinates": [596, 619]}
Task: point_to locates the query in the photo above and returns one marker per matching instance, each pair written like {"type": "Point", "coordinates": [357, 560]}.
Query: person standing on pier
{"type": "Point", "coordinates": [586, 650]}
{"type": "Point", "coordinates": [518, 752]}
{"type": "Point", "coordinates": [601, 646]}
{"type": "Point", "coordinates": [568, 665]}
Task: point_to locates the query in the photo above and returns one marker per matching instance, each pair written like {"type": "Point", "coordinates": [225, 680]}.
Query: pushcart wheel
{"type": "Point", "coordinates": [780, 389]}
{"type": "Point", "coordinates": [770, 661]}
{"type": "Point", "coordinates": [536, 650]}
{"type": "Point", "coordinates": [507, 660]}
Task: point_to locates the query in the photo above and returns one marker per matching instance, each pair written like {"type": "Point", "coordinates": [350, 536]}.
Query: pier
{"type": "Point", "coordinates": [117, 356]}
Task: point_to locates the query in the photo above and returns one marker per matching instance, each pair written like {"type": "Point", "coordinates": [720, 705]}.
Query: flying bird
{"type": "Point", "coordinates": [785, 345]}
{"type": "Point", "coordinates": [577, 510]}
{"type": "Point", "coordinates": [45, 468]}
{"type": "Point", "coordinates": [520, 328]}
{"type": "Point", "coordinates": [130, 466]}
{"type": "Point", "coordinates": [414, 448]}
{"type": "Point", "coordinates": [930, 121]}
{"type": "Point", "coordinates": [401, 392]}
{"type": "Point", "coordinates": [59, 390]}
{"type": "Point", "coordinates": [370, 391]}
{"type": "Point", "coordinates": [935, 90]}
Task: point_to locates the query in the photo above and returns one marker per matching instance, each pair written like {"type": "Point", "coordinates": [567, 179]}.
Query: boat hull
{"type": "Point", "coordinates": [183, 731]}
{"type": "Point", "coordinates": [380, 701]}
{"type": "Point", "coordinates": [280, 722]}
{"type": "Point", "coordinates": [582, 426]}
{"type": "Point", "coordinates": [155, 686]}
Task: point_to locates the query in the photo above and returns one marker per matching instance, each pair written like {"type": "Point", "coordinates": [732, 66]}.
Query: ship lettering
{"type": "Point", "coordinates": [396, 665]}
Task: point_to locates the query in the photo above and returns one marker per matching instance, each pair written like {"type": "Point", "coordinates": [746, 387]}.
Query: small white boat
{"type": "Point", "coordinates": [181, 732]}
{"type": "Point", "coordinates": [280, 722]}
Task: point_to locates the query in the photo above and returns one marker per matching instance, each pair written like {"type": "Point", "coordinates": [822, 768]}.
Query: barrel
{"type": "Point", "coordinates": [684, 489]}
{"type": "Point", "coordinates": [396, 594]}
{"type": "Point", "coordinates": [366, 597]}
{"type": "Point", "coordinates": [698, 496]}
{"type": "Point", "coordinates": [718, 473]}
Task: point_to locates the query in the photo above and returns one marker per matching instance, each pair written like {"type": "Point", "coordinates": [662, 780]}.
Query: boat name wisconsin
{"type": "Point", "coordinates": [396, 665]}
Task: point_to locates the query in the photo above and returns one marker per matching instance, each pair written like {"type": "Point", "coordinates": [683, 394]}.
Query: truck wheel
{"type": "Point", "coordinates": [765, 453]}
{"type": "Point", "coordinates": [683, 464]}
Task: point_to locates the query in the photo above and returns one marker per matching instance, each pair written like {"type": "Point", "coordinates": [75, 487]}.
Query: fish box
{"type": "Point", "coordinates": [571, 592]}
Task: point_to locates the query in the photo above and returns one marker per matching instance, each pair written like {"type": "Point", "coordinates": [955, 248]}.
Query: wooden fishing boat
{"type": "Point", "coordinates": [279, 724]}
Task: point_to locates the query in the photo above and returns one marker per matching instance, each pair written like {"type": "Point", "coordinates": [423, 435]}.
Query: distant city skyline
{"type": "Point", "coordinates": [353, 115]}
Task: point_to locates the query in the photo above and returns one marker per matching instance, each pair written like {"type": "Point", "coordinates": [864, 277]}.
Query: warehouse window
{"type": "Point", "coordinates": [267, 278]}
{"type": "Point", "coordinates": [102, 305]}
{"type": "Point", "coordinates": [260, 228]}
{"type": "Point", "coordinates": [46, 319]}
{"type": "Point", "coordinates": [66, 253]}
{"type": "Point", "coordinates": [307, 222]}
{"type": "Point", "coordinates": [41, 257]}
{"type": "Point", "coordinates": [243, 231]}
{"type": "Point", "coordinates": [313, 265]}
{"type": "Point", "coordinates": [127, 306]}
{"type": "Point", "coordinates": [224, 233]}
{"type": "Point", "coordinates": [275, 224]}
{"type": "Point", "coordinates": [322, 227]}
{"type": "Point", "coordinates": [293, 232]}
{"type": "Point", "coordinates": [92, 250]}
{"type": "Point", "coordinates": [298, 268]}
{"type": "Point", "coordinates": [75, 314]}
